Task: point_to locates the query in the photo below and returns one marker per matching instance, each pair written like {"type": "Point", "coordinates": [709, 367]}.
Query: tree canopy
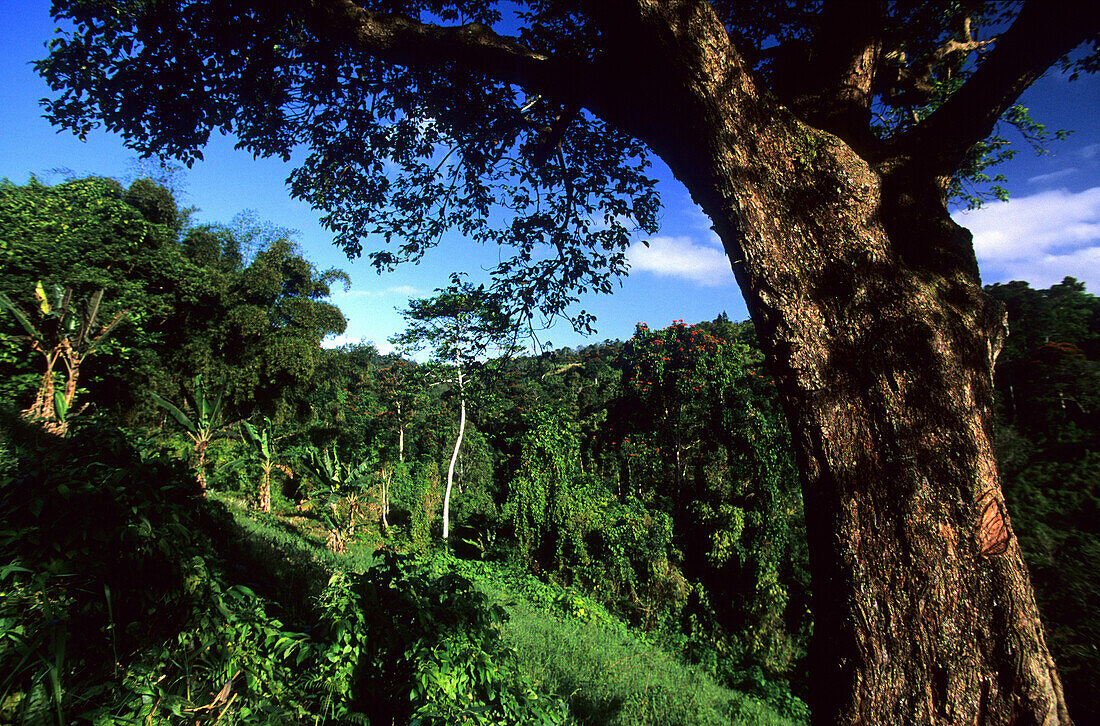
{"type": "Point", "coordinates": [193, 303]}
{"type": "Point", "coordinates": [529, 126]}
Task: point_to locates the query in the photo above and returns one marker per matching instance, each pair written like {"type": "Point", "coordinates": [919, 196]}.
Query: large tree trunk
{"type": "Point", "coordinates": [868, 305]}
{"type": "Point", "coordinates": [922, 605]}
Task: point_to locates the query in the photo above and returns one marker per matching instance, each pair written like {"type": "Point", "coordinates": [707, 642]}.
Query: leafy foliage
{"type": "Point", "coordinates": [187, 293]}
{"type": "Point", "coordinates": [341, 497]}
{"type": "Point", "coordinates": [114, 606]}
{"type": "Point", "coordinates": [1048, 381]}
{"type": "Point", "coordinates": [62, 334]}
{"type": "Point", "coordinates": [412, 645]}
{"type": "Point", "coordinates": [643, 493]}
{"type": "Point", "coordinates": [399, 153]}
{"type": "Point", "coordinates": [549, 459]}
{"type": "Point", "coordinates": [702, 439]}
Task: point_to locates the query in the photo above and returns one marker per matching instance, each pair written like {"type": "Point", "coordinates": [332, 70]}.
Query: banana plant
{"type": "Point", "coordinates": [203, 426]}
{"type": "Point", "coordinates": [63, 333]}
{"type": "Point", "coordinates": [261, 444]}
{"type": "Point", "coordinates": [342, 498]}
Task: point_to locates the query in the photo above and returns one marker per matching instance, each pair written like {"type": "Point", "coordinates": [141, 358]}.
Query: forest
{"type": "Point", "coordinates": [207, 516]}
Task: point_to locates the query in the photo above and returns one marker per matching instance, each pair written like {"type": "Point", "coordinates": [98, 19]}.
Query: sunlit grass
{"type": "Point", "coordinates": [610, 677]}
{"type": "Point", "coordinates": [565, 642]}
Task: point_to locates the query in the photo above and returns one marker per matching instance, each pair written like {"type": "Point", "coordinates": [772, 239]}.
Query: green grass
{"type": "Point", "coordinates": [565, 642]}
{"type": "Point", "coordinates": [608, 673]}
{"type": "Point", "coordinates": [283, 559]}
{"type": "Point", "coordinates": [609, 677]}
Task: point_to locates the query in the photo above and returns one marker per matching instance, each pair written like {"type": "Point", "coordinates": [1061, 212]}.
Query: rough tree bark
{"type": "Point", "coordinates": [868, 303]}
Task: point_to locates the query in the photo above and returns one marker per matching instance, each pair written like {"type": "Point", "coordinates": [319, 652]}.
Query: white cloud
{"type": "Point", "coordinates": [1089, 152]}
{"type": "Point", "coordinates": [684, 258]}
{"type": "Point", "coordinates": [394, 291]}
{"type": "Point", "coordinates": [385, 347]}
{"type": "Point", "coordinates": [1040, 238]}
{"type": "Point", "coordinates": [1046, 178]}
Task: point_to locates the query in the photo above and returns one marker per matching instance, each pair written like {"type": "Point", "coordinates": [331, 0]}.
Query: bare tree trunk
{"type": "Point", "coordinates": [386, 479]}
{"type": "Point", "coordinates": [400, 435]}
{"type": "Point", "coordinates": [454, 458]}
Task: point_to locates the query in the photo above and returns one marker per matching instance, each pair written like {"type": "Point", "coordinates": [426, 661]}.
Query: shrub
{"type": "Point", "coordinates": [407, 642]}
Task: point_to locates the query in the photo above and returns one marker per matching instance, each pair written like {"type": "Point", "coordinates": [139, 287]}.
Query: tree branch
{"type": "Point", "coordinates": [908, 86]}
{"type": "Point", "coordinates": [473, 47]}
{"type": "Point", "coordinates": [830, 83]}
{"type": "Point", "coordinates": [1042, 33]}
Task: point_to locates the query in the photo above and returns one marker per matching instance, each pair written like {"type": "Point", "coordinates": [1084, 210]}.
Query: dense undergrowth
{"type": "Point", "coordinates": [235, 524]}
{"type": "Point", "coordinates": [128, 599]}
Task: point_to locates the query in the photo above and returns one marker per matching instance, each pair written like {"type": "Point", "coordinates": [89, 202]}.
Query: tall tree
{"type": "Point", "coordinates": [402, 389]}
{"type": "Point", "coordinates": [1048, 442]}
{"type": "Point", "coordinates": [193, 304]}
{"type": "Point", "coordinates": [93, 234]}
{"type": "Point", "coordinates": [822, 139]}
{"type": "Point", "coordinates": [460, 324]}
{"type": "Point", "coordinates": [702, 439]}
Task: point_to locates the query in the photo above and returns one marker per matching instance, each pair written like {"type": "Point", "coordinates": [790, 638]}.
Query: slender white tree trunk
{"type": "Point", "coordinates": [400, 436]}
{"type": "Point", "coordinates": [454, 458]}
{"type": "Point", "coordinates": [387, 477]}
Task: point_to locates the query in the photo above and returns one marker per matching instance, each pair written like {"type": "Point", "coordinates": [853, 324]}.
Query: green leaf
{"type": "Point", "coordinates": [19, 316]}
{"type": "Point", "coordinates": [103, 334]}
{"type": "Point", "coordinates": [8, 569]}
{"type": "Point", "coordinates": [60, 405]}
{"type": "Point", "coordinates": [182, 418]}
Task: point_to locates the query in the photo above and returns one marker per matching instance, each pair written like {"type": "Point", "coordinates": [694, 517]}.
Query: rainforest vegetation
{"type": "Point", "coordinates": [824, 142]}
{"type": "Point", "coordinates": [207, 516]}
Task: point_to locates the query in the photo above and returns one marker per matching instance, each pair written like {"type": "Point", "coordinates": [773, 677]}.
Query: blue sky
{"type": "Point", "coordinates": [1049, 229]}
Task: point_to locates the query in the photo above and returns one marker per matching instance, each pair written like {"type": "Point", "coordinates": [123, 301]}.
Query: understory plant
{"type": "Point", "coordinates": [409, 643]}
{"type": "Point", "coordinates": [115, 606]}
{"type": "Point", "coordinates": [65, 333]}
{"type": "Point", "coordinates": [343, 497]}
{"type": "Point", "coordinates": [202, 426]}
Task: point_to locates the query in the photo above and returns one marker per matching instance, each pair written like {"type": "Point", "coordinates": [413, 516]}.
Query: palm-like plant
{"type": "Point", "coordinates": [342, 498]}
{"type": "Point", "coordinates": [261, 445]}
{"type": "Point", "coordinates": [203, 426]}
{"type": "Point", "coordinates": [63, 333]}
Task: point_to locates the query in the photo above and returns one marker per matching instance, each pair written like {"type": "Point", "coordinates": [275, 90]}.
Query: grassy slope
{"type": "Point", "coordinates": [572, 646]}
